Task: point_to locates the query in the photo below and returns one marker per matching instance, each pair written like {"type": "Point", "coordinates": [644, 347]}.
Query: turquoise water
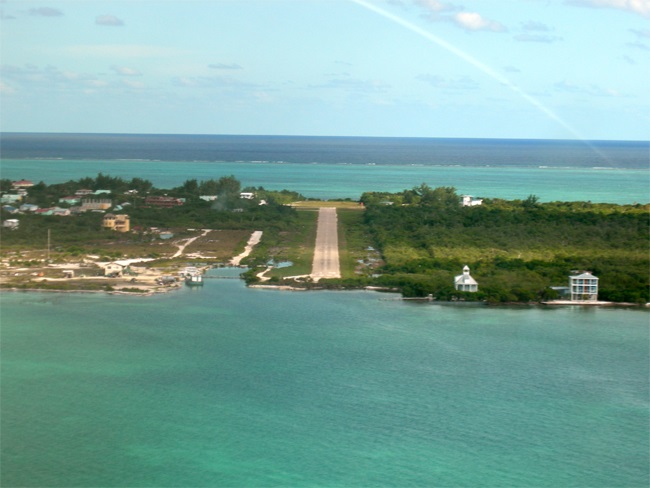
{"type": "Point", "coordinates": [330, 181]}
{"type": "Point", "coordinates": [228, 386]}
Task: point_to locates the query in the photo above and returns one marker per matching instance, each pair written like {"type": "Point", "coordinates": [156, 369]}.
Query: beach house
{"type": "Point", "coordinates": [583, 287]}
{"type": "Point", "coordinates": [465, 282]}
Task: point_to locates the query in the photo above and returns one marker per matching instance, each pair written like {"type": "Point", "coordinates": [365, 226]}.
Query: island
{"type": "Point", "coordinates": [113, 235]}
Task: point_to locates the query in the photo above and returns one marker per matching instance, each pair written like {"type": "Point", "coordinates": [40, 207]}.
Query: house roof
{"type": "Point", "coordinates": [584, 276]}
{"type": "Point", "coordinates": [23, 183]}
{"type": "Point", "coordinates": [465, 280]}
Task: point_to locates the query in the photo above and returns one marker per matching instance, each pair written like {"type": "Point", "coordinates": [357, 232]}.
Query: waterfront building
{"type": "Point", "coordinates": [583, 287]}
{"type": "Point", "coordinates": [465, 282]}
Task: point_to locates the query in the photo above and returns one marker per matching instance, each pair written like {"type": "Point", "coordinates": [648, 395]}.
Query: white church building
{"type": "Point", "coordinates": [465, 282]}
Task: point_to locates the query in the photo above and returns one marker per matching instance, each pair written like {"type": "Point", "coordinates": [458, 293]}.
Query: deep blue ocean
{"type": "Point", "coordinates": [329, 150]}
{"type": "Point", "coordinates": [227, 386]}
{"type": "Point", "coordinates": [344, 167]}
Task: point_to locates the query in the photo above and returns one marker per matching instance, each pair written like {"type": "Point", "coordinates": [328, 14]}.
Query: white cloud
{"type": "Point", "coordinates": [565, 86]}
{"type": "Point", "coordinates": [460, 83]}
{"type": "Point", "coordinates": [138, 85]}
{"type": "Point", "coordinates": [45, 12]}
{"type": "Point", "coordinates": [126, 71]}
{"type": "Point", "coordinates": [437, 11]}
{"type": "Point", "coordinates": [533, 25]}
{"type": "Point", "coordinates": [49, 78]}
{"type": "Point", "coordinates": [434, 7]}
{"type": "Point", "coordinates": [109, 20]}
{"type": "Point", "coordinates": [6, 89]}
{"type": "Point", "coordinates": [475, 22]}
{"type": "Point", "coordinates": [638, 45]}
{"type": "Point", "coordinates": [641, 33]}
{"type": "Point", "coordinates": [211, 82]}
{"type": "Point", "coordinates": [544, 38]}
{"type": "Point", "coordinates": [120, 51]}
{"type": "Point", "coordinates": [641, 7]}
{"type": "Point", "coordinates": [224, 66]}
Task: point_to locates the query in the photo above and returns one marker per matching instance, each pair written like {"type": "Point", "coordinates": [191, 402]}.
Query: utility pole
{"type": "Point", "coordinates": [48, 245]}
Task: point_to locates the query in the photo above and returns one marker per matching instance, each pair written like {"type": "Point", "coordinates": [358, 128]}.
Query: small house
{"type": "Point", "coordinates": [10, 198]}
{"type": "Point", "coordinates": [70, 200]}
{"type": "Point", "coordinates": [465, 282]}
{"type": "Point", "coordinates": [246, 195]}
{"type": "Point", "coordinates": [28, 207]}
{"type": "Point", "coordinates": [113, 269]}
{"type": "Point", "coordinates": [470, 201]}
{"type": "Point", "coordinates": [61, 212]}
{"type": "Point", "coordinates": [11, 224]}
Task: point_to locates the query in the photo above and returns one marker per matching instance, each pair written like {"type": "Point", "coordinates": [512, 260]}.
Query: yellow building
{"type": "Point", "coordinates": [119, 223]}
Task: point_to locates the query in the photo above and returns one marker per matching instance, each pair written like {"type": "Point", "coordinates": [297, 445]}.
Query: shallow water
{"type": "Point", "coordinates": [228, 386]}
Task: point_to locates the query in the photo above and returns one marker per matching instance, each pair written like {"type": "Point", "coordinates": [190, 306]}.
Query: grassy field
{"type": "Point", "coordinates": [295, 246]}
{"type": "Point", "coordinates": [220, 245]}
{"type": "Point", "coordinates": [356, 251]}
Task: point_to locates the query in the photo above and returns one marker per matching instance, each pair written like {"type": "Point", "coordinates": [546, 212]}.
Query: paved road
{"type": "Point", "coordinates": [326, 253]}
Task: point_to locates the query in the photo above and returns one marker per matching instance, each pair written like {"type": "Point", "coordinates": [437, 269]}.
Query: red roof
{"type": "Point", "coordinates": [23, 183]}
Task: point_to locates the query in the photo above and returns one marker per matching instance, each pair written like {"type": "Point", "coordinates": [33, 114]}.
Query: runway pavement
{"type": "Point", "coordinates": [326, 253]}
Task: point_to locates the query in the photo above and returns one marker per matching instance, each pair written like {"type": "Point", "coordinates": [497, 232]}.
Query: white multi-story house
{"type": "Point", "coordinates": [465, 282]}
{"type": "Point", "coordinates": [583, 287]}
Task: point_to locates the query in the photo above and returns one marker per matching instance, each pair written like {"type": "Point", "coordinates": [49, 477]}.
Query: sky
{"type": "Point", "coordinates": [537, 69]}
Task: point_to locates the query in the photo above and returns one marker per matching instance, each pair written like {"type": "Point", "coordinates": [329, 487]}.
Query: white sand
{"type": "Point", "coordinates": [252, 242]}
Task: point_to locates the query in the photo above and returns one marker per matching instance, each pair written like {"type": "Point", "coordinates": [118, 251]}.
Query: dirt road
{"type": "Point", "coordinates": [326, 253]}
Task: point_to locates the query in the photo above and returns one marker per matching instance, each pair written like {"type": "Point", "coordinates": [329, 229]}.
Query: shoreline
{"type": "Point", "coordinates": [178, 286]}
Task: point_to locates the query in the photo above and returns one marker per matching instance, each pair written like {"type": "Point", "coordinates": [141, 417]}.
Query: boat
{"type": "Point", "coordinates": [194, 280]}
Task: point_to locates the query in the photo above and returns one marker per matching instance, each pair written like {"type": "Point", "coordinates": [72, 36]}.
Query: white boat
{"type": "Point", "coordinates": [194, 280]}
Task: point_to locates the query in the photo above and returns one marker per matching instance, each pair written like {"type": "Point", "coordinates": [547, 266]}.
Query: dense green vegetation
{"type": "Point", "coordinates": [515, 249]}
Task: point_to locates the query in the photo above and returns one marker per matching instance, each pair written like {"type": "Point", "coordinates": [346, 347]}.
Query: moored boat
{"type": "Point", "coordinates": [194, 280]}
